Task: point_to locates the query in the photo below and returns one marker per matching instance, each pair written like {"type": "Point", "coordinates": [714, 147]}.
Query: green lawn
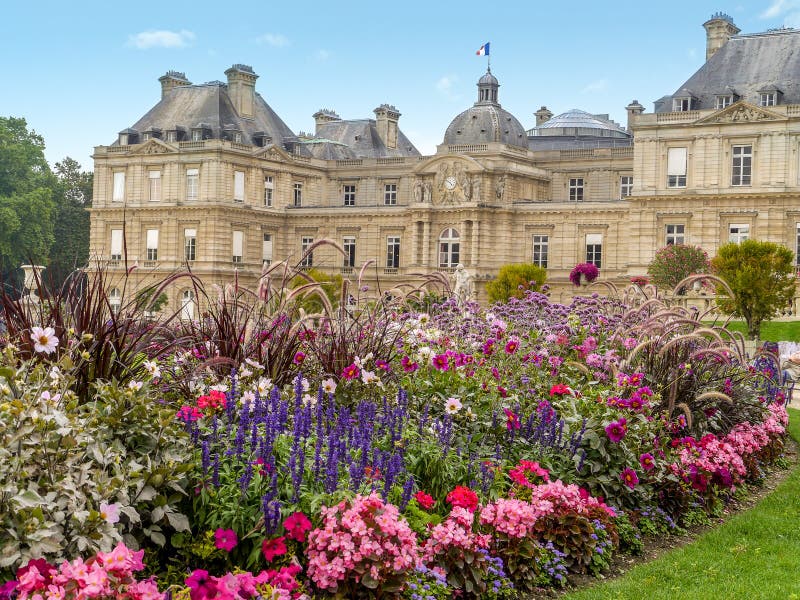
{"type": "Point", "coordinates": [772, 331]}
{"type": "Point", "coordinates": [755, 555]}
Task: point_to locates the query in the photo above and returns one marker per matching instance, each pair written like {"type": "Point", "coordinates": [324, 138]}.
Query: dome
{"type": "Point", "coordinates": [486, 121]}
{"type": "Point", "coordinates": [578, 122]}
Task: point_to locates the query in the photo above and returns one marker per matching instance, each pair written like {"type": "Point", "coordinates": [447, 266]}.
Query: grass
{"type": "Point", "coordinates": [771, 331]}
{"type": "Point", "coordinates": [752, 556]}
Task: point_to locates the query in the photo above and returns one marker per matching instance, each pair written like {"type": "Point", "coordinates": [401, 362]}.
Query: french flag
{"type": "Point", "coordinates": [483, 50]}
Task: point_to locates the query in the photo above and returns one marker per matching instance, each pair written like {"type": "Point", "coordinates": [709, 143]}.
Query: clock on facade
{"type": "Point", "coordinates": [450, 183]}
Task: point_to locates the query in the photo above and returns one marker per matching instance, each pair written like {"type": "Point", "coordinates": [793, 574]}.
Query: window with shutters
{"type": "Point", "coordinates": [118, 194]}
{"type": "Point", "coordinates": [238, 244]}
{"type": "Point", "coordinates": [189, 244]}
{"type": "Point", "coordinates": [154, 179]}
{"type": "Point", "coordinates": [116, 244]}
{"type": "Point", "coordinates": [594, 249]}
{"type": "Point", "coordinates": [238, 186]}
{"type": "Point", "coordinates": [266, 249]}
{"type": "Point", "coordinates": [676, 167]}
{"type": "Point", "coordinates": [152, 244]}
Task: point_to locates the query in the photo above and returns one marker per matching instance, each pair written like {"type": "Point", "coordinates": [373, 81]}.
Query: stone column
{"type": "Point", "coordinates": [473, 260]}
{"type": "Point", "coordinates": [426, 244]}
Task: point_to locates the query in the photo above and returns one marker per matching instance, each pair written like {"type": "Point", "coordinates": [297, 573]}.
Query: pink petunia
{"type": "Point", "coordinates": [297, 525]}
{"type": "Point", "coordinates": [274, 547]}
{"type": "Point", "coordinates": [225, 539]}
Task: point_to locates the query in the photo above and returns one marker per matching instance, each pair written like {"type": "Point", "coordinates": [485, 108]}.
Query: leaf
{"type": "Point", "coordinates": [157, 514]}
{"type": "Point", "coordinates": [158, 538]}
{"type": "Point", "coordinates": [147, 494]}
{"type": "Point", "coordinates": [27, 499]}
{"type": "Point", "coordinates": [179, 521]}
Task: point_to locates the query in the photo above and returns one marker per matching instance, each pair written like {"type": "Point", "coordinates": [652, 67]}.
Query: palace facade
{"type": "Point", "coordinates": [213, 179]}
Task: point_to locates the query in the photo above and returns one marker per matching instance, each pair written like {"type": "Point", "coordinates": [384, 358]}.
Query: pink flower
{"type": "Point", "coordinates": [559, 389]}
{"type": "Point", "coordinates": [299, 357]}
{"type": "Point", "coordinates": [616, 430]}
{"type": "Point", "coordinates": [351, 372]}
{"type": "Point", "coordinates": [440, 362]}
{"type": "Point", "coordinates": [512, 346]}
{"type": "Point", "coordinates": [188, 413]}
{"type": "Point", "coordinates": [408, 365]}
{"type": "Point", "coordinates": [647, 461]}
{"type": "Point", "coordinates": [296, 525]}
{"type": "Point", "coordinates": [109, 512]}
{"type": "Point", "coordinates": [201, 585]}
{"type": "Point", "coordinates": [629, 477]}
{"type": "Point", "coordinates": [272, 548]}
{"type": "Point", "coordinates": [512, 420]}
{"type": "Point", "coordinates": [121, 560]}
{"type": "Point", "coordinates": [225, 539]}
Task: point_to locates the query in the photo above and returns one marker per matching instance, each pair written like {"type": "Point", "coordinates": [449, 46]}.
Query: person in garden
{"type": "Point", "coordinates": [791, 367]}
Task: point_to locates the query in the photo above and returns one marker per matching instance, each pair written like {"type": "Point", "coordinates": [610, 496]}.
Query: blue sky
{"type": "Point", "coordinates": [80, 72]}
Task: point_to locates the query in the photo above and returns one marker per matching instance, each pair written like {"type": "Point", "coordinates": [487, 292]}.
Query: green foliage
{"type": "Point", "coordinates": [146, 302]}
{"type": "Point", "coordinates": [514, 280]}
{"type": "Point", "coordinates": [676, 262]}
{"type": "Point", "coordinates": [331, 285]}
{"type": "Point", "coordinates": [760, 276]}
{"type": "Point", "coordinates": [60, 459]}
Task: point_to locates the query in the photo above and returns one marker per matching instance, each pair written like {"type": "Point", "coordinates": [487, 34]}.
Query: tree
{"type": "Point", "coordinates": [26, 197]}
{"type": "Point", "coordinates": [331, 285]}
{"type": "Point", "coordinates": [514, 280]}
{"type": "Point", "coordinates": [676, 262]}
{"type": "Point", "coordinates": [761, 277]}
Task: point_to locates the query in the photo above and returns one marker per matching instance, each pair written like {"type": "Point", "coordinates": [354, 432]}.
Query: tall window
{"type": "Point", "coordinates": [349, 195]}
{"type": "Point", "coordinates": [738, 232]}
{"type": "Point", "coordinates": [767, 99]}
{"type": "Point", "coordinates": [189, 244]}
{"type": "Point", "coordinates": [238, 244]}
{"type": "Point", "coordinates": [116, 244]}
{"type": "Point", "coordinates": [676, 167]}
{"type": "Point", "coordinates": [393, 252]}
{"type": "Point", "coordinates": [187, 305]}
{"type": "Point", "coordinates": [152, 244]}
{"type": "Point", "coordinates": [449, 248]}
{"type": "Point", "coordinates": [192, 183]}
{"type": "Point", "coordinates": [238, 186]}
{"type": "Point", "coordinates": [269, 188]}
{"type": "Point", "coordinates": [298, 194]}
{"type": "Point", "coordinates": [115, 300]}
{"type": "Point", "coordinates": [349, 245]}
{"type": "Point", "coordinates": [675, 235]}
{"type": "Point", "coordinates": [155, 185]}
{"type": "Point", "coordinates": [625, 186]}
{"type": "Point", "coordinates": [576, 189]}
{"type": "Point", "coordinates": [390, 194]}
{"type": "Point", "coordinates": [742, 167]}
{"type": "Point", "coordinates": [307, 260]}
{"type": "Point", "coordinates": [797, 245]}
{"type": "Point", "coordinates": [119, 187]}
{"type": "Point", "coordinates": [594, 249]}
{"type": "Point", "coordinates": [541, 245]}
{"type": "Point", "coordinates": [266, 249]}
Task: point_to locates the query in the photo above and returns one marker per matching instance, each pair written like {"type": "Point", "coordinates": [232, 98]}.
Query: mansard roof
{"type": "Point", "coordinates": [748, 64]}
{"type": "Point", "coordinates": [361, 137]}
{"type": "Point", "coordinates": [209, 103]}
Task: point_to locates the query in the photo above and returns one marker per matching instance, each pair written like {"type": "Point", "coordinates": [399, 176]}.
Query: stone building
{"type": "Point", "coordinates": [212, 178]}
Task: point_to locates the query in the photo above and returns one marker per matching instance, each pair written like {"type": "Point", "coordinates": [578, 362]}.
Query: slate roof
{"type": "Point", "coordinates": [359, 137]}
{"type": "Point", "coordinates": [187, 106]}
{"type": "Point", "coordinates": [576, 122]}
{"type": "Point", "coordinates": [747, 64]}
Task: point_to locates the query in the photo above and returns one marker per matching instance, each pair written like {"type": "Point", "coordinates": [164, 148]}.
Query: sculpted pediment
{"type": "Point", "coordinates": [448, 180]}
{"type": "Point", "coordinates": [155, 146]}
{"type": "Point", "coordinates": [742, 112]}
{"type": "Point", "coordinates": [272, 152]}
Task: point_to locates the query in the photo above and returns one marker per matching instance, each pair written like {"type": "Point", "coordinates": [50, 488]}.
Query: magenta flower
{"type": "Point", "coordinates": [200, 585]}
{"type": "Point", "coordinates": [629, 477]}
{"type": "Point", "coordinates": [225, 539]}
{"type": "Point", "coordinates": [188, 414]}
{"type": "Point", "coordinates": [616, 430]}
{"type": "Point", "coordinates": [351, 372]}
{"type": "Point", "coordinates": [299, 357]}
{"type": "Point", "coordinates": [296, 525]}
{"type": "Point", "coordinates": [272, 548]}
{"type": "Point", "coordinates": [440, 362]}
{"type": "Point", "coordinates": [647, 461]}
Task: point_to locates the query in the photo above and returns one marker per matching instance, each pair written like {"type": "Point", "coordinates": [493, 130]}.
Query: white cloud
{"type": "Point", "coordinates": [599, 85]}
{"type": "Point", "coordinates": [161, 38]}
{"type": "Point", "coordinates": [446, 85]}
{"type": "Point", "coordinates": [322, 55]}
{"type": "Point", "coordinates": [777, 8]}
{"type": "Point", "coordinates": [278, 40]}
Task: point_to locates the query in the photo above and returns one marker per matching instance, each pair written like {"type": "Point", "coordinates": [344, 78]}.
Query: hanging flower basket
{"type": "Point", "coordinates": [583, 274]}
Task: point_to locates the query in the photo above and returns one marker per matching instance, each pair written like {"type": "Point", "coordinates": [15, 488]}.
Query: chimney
{"type": "Point", "coordinates": [172, 79]}
{"type": "Point", "coordinates": [719, 29]}
{"type": "Point", "coordinates": [634, 109]}
{"type": "Point", "coordinates": [543, 115]}
{"type": "Point", "coordinates": [322, 116]}
{"type": "Point", "coordinates": [242, 89]}
{"type": "Point", "coordinates": [386, 117]}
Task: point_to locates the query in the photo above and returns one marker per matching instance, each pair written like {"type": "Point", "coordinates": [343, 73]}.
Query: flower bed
{"type": "Point", "coordinates": [461, 452]}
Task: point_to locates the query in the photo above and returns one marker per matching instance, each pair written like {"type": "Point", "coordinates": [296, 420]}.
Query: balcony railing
{"type": "Point", "coordinates": [390, 271]}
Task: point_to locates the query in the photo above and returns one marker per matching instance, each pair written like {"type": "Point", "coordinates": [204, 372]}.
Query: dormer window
{"type": "Point", "coordinates": [172, 136]}
{"type": "Point", "coordinates": [682, 104]}
{"type": "Point", "coordinates": [197, 135]}
{"type": "Point", "coordinates": [128, 136]}
{"type": "Point", "coordinates": [724, 101]}
{"type": "Point", "coordinates": [123, 139]}
{"type": "Point", "coordinates": [237, 137]}
{"type": "Point", "coordinates": [767, 99]}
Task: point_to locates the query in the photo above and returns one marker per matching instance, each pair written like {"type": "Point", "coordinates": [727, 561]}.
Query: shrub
{"type": "Point", "coordinates": [514, 281]}
{"type": "Point", "coordinates": [676, 262]}
{"type": "Point", "coordinates": [588, 270]}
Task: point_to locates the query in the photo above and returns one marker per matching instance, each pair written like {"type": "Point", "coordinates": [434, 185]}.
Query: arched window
{"type": "Point", "coordinates": [115, 300]}
{"type": "Point", "coordinates": [187, 305]}
{"type": "Point", "coordinates": [449, 245]}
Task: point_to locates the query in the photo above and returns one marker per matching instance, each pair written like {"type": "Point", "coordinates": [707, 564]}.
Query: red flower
{"type": "Point", "coordinates": [214, 400]}
{"type": "Point", "coordinates": [351, 372]}
{"type": "Point", "coordinates": [560, 389]}
{"type": "Point", "coordinates": [272, 548]}
{"type": "Point", "coordinates": [463, 497]}
{"type": "Point", "coordinates": [297, 524]}
{"type": "Point", "coordinates": [426, 501]}
{"type": "Point", "coordinates": [225, 539]}
{"type": "Point", "coordinates": [512, 419]}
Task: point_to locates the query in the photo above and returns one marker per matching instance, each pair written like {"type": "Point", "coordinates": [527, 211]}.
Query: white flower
{"type": "Point", "coordinates": [109, 512]}
{"type": "Point", "coordinates": [220, 387]}
{"type": "Point", "coordinates": [329, 386]}
{"type": "Point", "coordinates": [44, 340]}
{"type": "Point", "coordinates": [151, 367]}
{"type": "Point", "coordinates": [304, 384]}
{"type": "Point", "coordinates": [369, 377]}
{"type": "Point", "coordinates": [452, 406]}
{"type": "Point", "coordinates": [309, 400]}
{"type": "Point", "coordinates": [254, 364]}
{"type": "Point", "coordinates": [423, 318]}
{"type": "Point", "coordinates": [470, 415]}
{"type": "Point", "coordinates": [135, 385]}
{"type": "Point", "coordinates": [264, 385]}
{"type": "Point", "coordinates": [244, 372]}
{"type": "Point", "coordinates": [45, 395]}
{"type": "Point", "coordinates": [248, 396]}
{"type": "Point", "coordinates": [55, 374]}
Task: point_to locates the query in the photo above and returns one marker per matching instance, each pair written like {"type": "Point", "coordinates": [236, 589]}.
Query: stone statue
{"type": "Point", "coordinates": [462, 289]}
{"type": "Point", "coordinates": [419, 191]}
{"type": "Point", "coordinates": [427, 192]}
{"type": "Point", "coordinates": [500, 188]}
{"type": "Point", "coordinates": [476, 189]}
